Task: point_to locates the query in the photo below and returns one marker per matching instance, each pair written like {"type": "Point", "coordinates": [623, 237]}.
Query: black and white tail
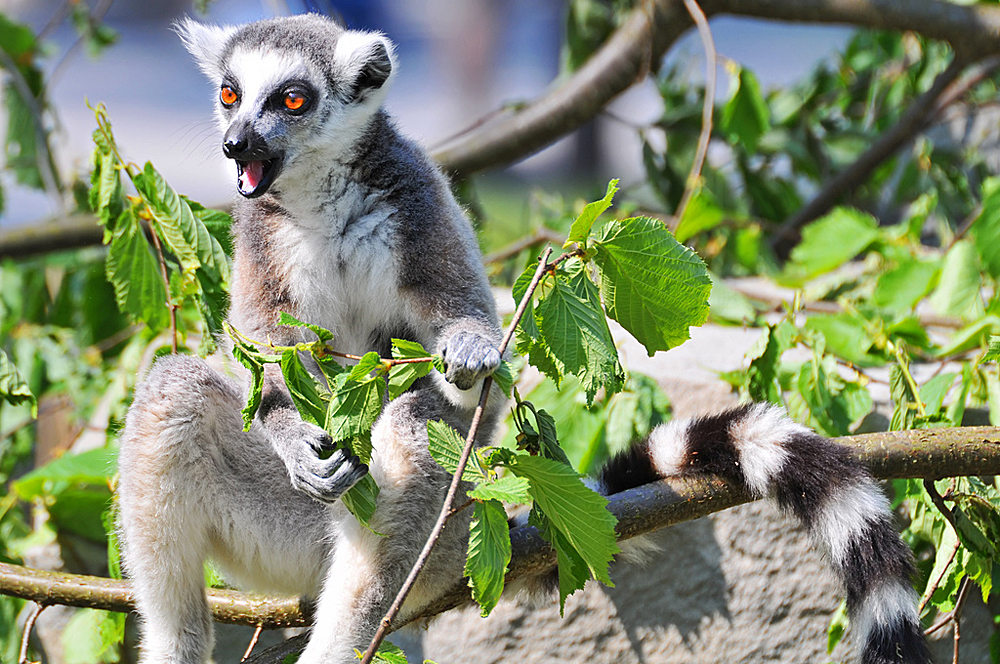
{"type": "Point", "coordinates": [759, 447]}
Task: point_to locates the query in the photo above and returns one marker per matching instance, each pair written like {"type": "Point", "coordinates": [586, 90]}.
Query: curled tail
{"type": "Point", "coordinates": [760, 448]}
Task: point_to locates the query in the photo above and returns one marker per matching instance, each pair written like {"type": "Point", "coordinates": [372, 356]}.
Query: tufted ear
{"type": "Point", "coordinates": [205, 42]}
{"type": "Point", "coordinates": [366, 61]}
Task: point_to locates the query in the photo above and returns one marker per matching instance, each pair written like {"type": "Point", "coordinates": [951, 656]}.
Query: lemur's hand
{"type": "Point", "coordinates": [469, 356]}
{"type": "Point", "coordinates": [322, 479]}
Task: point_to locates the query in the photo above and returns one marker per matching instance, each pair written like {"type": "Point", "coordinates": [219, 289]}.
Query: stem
{"type": "Point", "coordinates": [253, 642]}
{"type": "Point", "coordinates": [446, 509]}
{"type": "Point", "coordinates": [708, 105]}
{"type": "Point", "coordinates": [166, 285]}
{"type": "Point", "coordinates": [29, 624]}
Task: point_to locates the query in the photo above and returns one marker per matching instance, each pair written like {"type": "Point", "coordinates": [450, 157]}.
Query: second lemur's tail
{"type": "Point", "coordinates": [760, 448]}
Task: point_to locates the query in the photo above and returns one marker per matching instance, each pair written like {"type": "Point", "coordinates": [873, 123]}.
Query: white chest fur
{"type": "Point", "coordinates": [341, 268]}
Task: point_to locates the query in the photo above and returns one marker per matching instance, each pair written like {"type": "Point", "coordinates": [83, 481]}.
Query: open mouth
{"type": "Point", "coordinates": [253, 178]}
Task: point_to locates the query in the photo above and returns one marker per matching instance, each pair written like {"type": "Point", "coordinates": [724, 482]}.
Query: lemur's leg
{"type": "Point", "coordinates": [369, 566]}
{"type": "Point", "coordinates": [193, 485]}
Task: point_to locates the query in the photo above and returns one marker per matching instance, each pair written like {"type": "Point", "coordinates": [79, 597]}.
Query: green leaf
{"type": "Point", "coordinates": [354, 406]}
{"type": "Point", "coordinates": [13, 388]}
{"type": "Point", "coordinates": [504, 377]}
{"type": "Point", "coordinates": [745, 117]}
{"type": "Point", "coordinates": [362, 499]}
{"type": "Point", "coordinates": [134, 271]}
{"type": "Point", "coordinates": [654, 286]}
{"type": "Point", "coordinates": [388, 653]}
{"type": "Point", "coordinates": [986, 227]}
{"type": "Point", "coordinates": [993, 352]}
{"type": "Point", "coordinates": [253, 360]}
{"type": "Point", "coordinates": [702, 213]}
{"type": "Point", "coordinates": [578, 514]}
{"type": "Point", "coordinates": [508, 489]}
{"type": "Point", "coordinates": [402, 376]}
{"type": "Point", "coordinates": [902, 287]}
{"type": "Point", "coordinates": [580, 230]}
{"type": "Point", "coordinates": [186, 234]}
{"type": "Point", "coordinates": [575, 331]}
{"type": "Point", "coordinates": [489, 554]}
{"type": "Point", "coordinates": [446, 446]}
{"type": "Point", "coordinates": [831, 241]}
{"type": "Point", "coordinates": [303, 388]}
{"type": "Point", "coordinates": [957, 293]}
{"type": "Point", "coordinates": [92, 636]}
{"type": "Point", "coordinates": [95, 467]}
{"type": "Point", "coordinates": [322, 333]}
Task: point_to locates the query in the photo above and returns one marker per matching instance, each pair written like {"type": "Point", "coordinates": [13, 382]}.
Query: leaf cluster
{"type": "Point", "coordinates": [165, 252]}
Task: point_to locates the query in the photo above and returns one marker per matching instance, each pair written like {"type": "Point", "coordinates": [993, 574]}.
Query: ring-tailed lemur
{"type": "Point", "coordinates": [344, 223]}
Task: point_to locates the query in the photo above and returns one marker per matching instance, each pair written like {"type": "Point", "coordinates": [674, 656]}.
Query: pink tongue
{"type": "Point", "coordinates": [250, 177]}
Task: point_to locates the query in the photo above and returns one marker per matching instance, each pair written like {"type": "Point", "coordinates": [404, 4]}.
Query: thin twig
{"type": "Point", "coordinates": [708, 105]}
{"type": "Point", "coordinates": [932, 587]}
{"type": "Point", "coordinates": [956, 613]}
{"type": "Point", "coordinates": [540, 236]}
{"type": "Point", "coordinates": [253, 642]}
{"type": "Point", "coordinates": [29, 624]}
{"type": "Point", "coordinates": [446, 509]}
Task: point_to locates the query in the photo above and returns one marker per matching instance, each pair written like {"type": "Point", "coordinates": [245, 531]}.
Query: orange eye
{"type": "Point", "coordinates": [228, 96]}
{"type": "Point", "coordinates": [294, 101]}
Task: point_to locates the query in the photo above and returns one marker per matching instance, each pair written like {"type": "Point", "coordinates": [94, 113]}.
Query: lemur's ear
{"type": "Point", "coordinates": [366, 61]}
{"type": "Point", "coordinates": [205, 42]}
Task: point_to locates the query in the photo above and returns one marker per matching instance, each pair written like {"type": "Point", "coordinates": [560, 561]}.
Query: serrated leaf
{"type": "Point", "coordinates": [362, 499]}
{"type": "Point", "coordinates": [186, 234]}
{"type": "Point", "coordinates": [446, 445]}
{"type": "Point", "coordinates": [354, 407]}
{"type": "Point", "coordinates": [577, 513]}
{"type": "Point", "coordinates": [575, 331]}
{"type": "Point", "coordinates": [580, 230]}
{"type": "Point", "coordinates": [388, 653]}
{"type": "Point", "coordinates": [504, 377]}
{"type": "Point", "coordinates": [134, 271]}
{"type": "Point", "coordinates": [303, 388]}
{"type": "Point", "coordinates": [402, 376]}
{"type": "Point", "coordinates": [252, 359]}
{"type": "Point", "coordinates": [369, 362]}
{"type": "Point", "coordinates": [287, 319]}
{"type": "Point", "coordinates": [654, 286]}
{"type": "Point", "coordinates": [993, 352]}
{"type": "Point", "coordinates": [489, 554]}
{"type": "Point", "coordinates": [13, 388]}
{"type": "Point", "coordinates": [508, 489]}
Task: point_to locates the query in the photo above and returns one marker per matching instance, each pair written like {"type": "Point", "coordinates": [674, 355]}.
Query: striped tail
{"type": "Point", "coordinates": [760, 448]}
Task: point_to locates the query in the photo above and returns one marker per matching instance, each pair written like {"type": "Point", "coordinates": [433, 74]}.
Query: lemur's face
{"type": "Point", "coordinates": [289, 87]}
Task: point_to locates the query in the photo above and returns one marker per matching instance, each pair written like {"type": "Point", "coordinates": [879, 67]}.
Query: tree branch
{"type": "Point", "coordinates": [933, 453]}
{"type": "Point", "coordinates": [946, 90]}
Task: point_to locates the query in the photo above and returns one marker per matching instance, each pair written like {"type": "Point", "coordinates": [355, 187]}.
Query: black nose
{"type": "Point", "coordinates": [233, 148]}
